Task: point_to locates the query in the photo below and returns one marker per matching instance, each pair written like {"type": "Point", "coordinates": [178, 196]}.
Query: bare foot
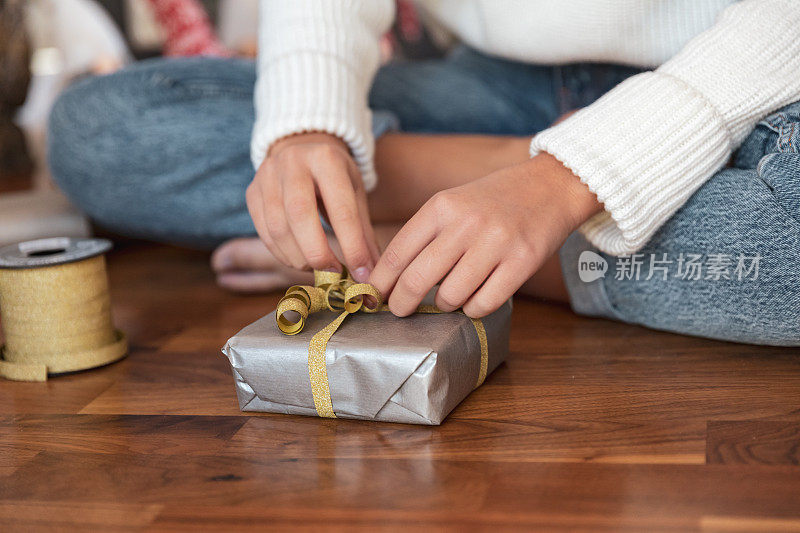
{"type": "Point", "coordinates": [245, 265]}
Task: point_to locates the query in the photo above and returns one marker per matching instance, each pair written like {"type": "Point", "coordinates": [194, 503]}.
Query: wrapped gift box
{"type": "Point", "coordinates": [380, 367]}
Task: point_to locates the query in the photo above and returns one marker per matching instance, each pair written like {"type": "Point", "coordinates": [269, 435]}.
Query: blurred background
{"type": "Point", "coordinates": [47, 44]}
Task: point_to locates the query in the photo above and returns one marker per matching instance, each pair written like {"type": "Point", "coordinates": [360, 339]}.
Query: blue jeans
{"type": "Point", "coordinates": [160, 150]}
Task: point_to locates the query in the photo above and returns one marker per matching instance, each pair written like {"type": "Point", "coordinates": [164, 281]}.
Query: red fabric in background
{"type": "Point", "coordinates": [188, 29]}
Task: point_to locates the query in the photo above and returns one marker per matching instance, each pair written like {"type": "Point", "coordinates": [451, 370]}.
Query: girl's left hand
{"type": "Point", "coordinates": [483, 240]}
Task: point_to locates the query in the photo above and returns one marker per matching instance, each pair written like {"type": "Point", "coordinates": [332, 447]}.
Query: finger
{"type": "Point", "coordinates": [366, 224]}
{"type": "Point", "coordinates": [425, 271]}
{"type": "Point", "coordinates": [501, 285]}
{"type": "Point", "coordinates": [301, 207]}
{"type": "Point", "coordinates": [363, 211]}
{"type": "Point", "coordinates": [255, 205]}
{"type": "Point", "coordinates": [278, 225]}
{"type": "Point", "coordinates": [336, 189]}
{"type": "Point", "coordinates": [412, 238]}
{"type": "Point", "coordinates": [465, 278]}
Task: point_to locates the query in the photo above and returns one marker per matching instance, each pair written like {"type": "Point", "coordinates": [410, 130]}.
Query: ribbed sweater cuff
{"type": "Point", "coordinates": [308, 92]}
{"type": "Point", "coordinates": [643, 148]}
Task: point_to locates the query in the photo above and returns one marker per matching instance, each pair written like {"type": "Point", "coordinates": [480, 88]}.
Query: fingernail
{"type": "Point", "coordinates": [335, 270]}
{"type": "Point", "coordinates": [361, 274]}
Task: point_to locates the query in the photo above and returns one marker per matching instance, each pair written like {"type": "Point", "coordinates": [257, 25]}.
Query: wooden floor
{"type": "Point", "coordinates": [590, 425]}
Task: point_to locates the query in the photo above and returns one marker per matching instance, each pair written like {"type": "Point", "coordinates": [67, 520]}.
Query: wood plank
{"type": "Point", "coordinates": [473, 440]}
{"type": "Point", "coordinates": [66, 394]}
{"type": "Point", "coordinates": [31, 515]}
{"type": "Point", "coordinates": [182, 518]}
{"type": "Point", "coordinates": [661, 492]}
{"type": "Point", "coordinates": [769, 442]}
{"type": "Point", "coordinates": [180, 398]}
{"type": "Point", "coordinates": [119, 434]}
{"type": "Point", "coordinates": [748, 524]}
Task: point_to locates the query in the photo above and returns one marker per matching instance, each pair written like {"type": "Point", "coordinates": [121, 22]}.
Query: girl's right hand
{"type": "Point", "coordinates": [284, 203]}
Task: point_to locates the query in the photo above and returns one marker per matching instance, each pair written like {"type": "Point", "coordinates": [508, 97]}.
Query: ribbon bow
{"type": "Point", "coordinates": [338, 292]}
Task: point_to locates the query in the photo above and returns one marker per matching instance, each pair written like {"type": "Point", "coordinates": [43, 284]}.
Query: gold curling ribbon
{"type": "Point", "coordinates": [338, 292]}
{"type": "Point", "coordinates": [57, 319]}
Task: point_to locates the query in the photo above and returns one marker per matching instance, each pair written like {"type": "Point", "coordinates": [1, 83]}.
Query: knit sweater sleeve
{"type": "Point", "coordinates": [316, 62]}
{"type": "Point", "coordinates": [646, 146]}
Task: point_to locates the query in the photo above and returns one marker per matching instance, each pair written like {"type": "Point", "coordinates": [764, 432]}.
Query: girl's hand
{"type": "Point", "coordinates": [284, 201]}
{"type": "Point", "coordinates": [483, 240]}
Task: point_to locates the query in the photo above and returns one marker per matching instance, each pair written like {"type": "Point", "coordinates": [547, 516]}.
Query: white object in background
{"type": "Point", "coordinates": [47, 81]}
{"type": "Point", "coordinates": [39, 214]}
{"type": "Point", "coordinates": [68, 38]}
{"type": "Point", "coordinates": [80, 29]}
{"type": "Point", "coordinates": [141, 25]}
{"type": "Point", "coordinates": [238, 23]}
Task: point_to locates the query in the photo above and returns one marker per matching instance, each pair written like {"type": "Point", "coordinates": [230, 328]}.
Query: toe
{"type": "Point", "coordinates": [245, 265]}
{"type": "Point", "coordinates": [245, 254]}
{"type": "Point", "coordinates": [252, 282]}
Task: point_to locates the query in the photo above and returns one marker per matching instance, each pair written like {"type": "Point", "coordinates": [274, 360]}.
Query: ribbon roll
{"type": "Point", "coordinates": [56, 309]}
{"type": "Point", "coordinates": [338, 292]}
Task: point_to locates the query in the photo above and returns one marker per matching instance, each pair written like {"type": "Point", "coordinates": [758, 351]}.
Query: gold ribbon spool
{"type": "Point", "coordinates": [55, 309]}
{"type": "Point", "coordinates": [348, 298]}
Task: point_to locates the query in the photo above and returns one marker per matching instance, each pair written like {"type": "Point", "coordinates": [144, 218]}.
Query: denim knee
{"type": "Point", "coordinates": [77, 114]}
{"type": "Point", "coordinates": [779, 132]}
{"type": "Point", "coordinates": [99, 124]}
{"type": "Point", "coordinates": [773, 150]}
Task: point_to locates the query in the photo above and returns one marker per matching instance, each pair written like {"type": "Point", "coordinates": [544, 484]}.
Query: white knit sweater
{"type": "Point", "coordinates": [643, 148]}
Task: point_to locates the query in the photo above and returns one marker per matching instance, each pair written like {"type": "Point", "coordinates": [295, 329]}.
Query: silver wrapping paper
{"type": "Point", "coordinates": [412, 370]}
